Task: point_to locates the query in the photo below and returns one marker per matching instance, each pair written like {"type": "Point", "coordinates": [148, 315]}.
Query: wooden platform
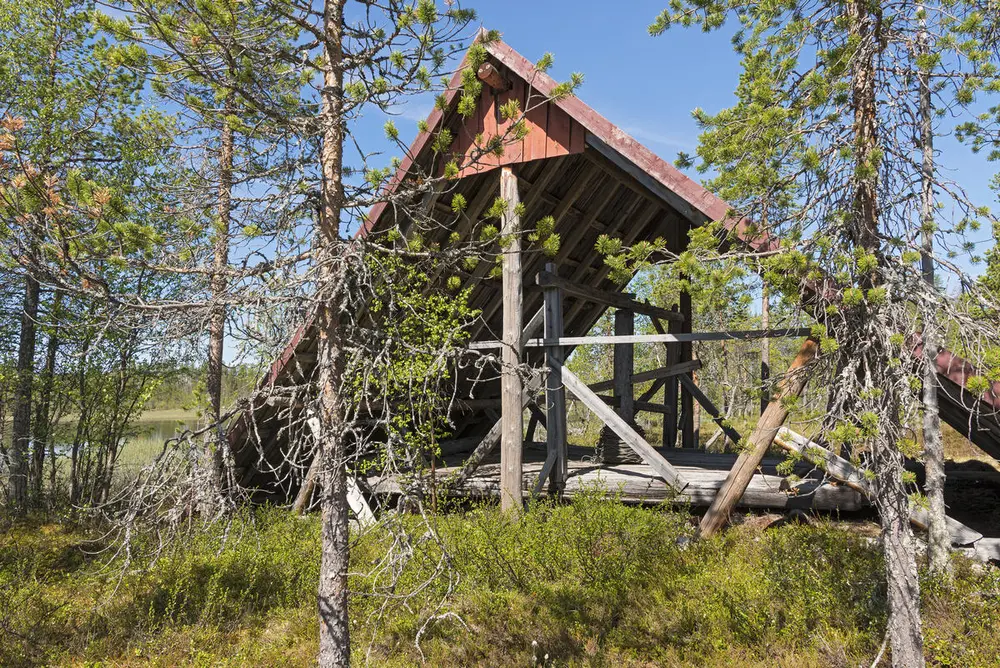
{"type": "Point", "coordinates": [637, 483]}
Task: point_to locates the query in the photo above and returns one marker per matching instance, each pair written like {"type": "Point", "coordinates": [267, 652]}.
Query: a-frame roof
{"type": "Point", "coordinates": [593, 178]}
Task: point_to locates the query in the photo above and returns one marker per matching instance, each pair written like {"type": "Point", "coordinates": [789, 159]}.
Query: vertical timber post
{"type": "Point", "coordinates": [670, 389]}
{"type": "Point", "coordinates": [511, 387]}
{"type": "Point", "coordinates": [624, 365]}
{"type": "Point", "coordinates": [555, 392]}
{"type": "Point", "coordinates": [687, 354]}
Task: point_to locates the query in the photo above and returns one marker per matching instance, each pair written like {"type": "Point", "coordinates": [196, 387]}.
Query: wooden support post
{"type": "Point", "coordinates": [716, 414]}
{"type": "Point", "coordinates": [624, 363]}
{"type": "Point", "coordinates": [670, 395]}
{"type": "Point", "coordinates": [687, 354]}
{"type": "Point", "coordinates": [511, 387]}
{"type": "Point", "coordinates": [760, 440]}
{"type": "Point", "coordinates": [555, 393]}
{"type": "Point", "coordinates": [646, 452]}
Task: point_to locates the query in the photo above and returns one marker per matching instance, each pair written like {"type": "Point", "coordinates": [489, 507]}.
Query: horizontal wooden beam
{"type": "Point", "coordinates": [614, 299]}
{"type": "Point", "coordinates": [655, 374]}
{"type": "Point", "coordinates": [747, 335]}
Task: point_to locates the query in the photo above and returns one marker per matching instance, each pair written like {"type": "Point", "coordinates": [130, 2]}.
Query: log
{"type": "Point", "coordinates": [489, 75]}
{"type": "Point", "coordinates": [511, 387]}
{"type": "Point", "coordinates": [760, 440]}
{"type": "Point", "coordinates": [844, 471]}
{"type": "Point", "coordinates": [638, 483]}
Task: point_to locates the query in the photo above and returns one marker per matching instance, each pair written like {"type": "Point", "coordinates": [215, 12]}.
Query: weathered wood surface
{"type": "Point", "coordinates": [713, 411]}
{"type": "Point", "coordinates": [646, 376]}
{"type": "Point", "coordinates": [648, 453]}
{"type": "Point", "coordinates": [511, 386]}
{"type": "Point", "coordinates": [613, 299]}
{"type": "Point", "coordinates": [624, 364]}
{"type": "Point", "coordinates": [736, 335]}
{"type": "Point", "coordinates": [638, 483]}
{"type": "Point", "coordinates": [686, 421]}
{"type": "Point", "coordinates": [760, 440]}
{"type": "Point", "coordinates": [844, 471]}
{"type": "Point", "coordinates": [555, 393]}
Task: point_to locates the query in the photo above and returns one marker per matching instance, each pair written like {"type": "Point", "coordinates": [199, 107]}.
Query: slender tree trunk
{"type": "Point", "coordinates": [765, 347]}
{"type": "Point", "coordinates": [334, 642]}
{"type": "Point", "coordinates": [21, 427]}
{"type": "Point", "coordinates": [42, 412]}
{"type": "Point", "coordinates": [904, 626]}
{"type": "Point", "coordinates": [216, 440]}
{"type": "Point", "coordinates": [938, 539]}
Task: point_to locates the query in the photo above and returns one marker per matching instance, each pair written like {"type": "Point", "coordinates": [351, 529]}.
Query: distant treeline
{"type": "Point", "coordinates": [184, 387]}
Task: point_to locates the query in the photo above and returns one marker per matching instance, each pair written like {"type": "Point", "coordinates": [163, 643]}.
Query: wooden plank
{"type": "Point", "coordinates": [537, 120]}
{"type": "Point", "coordinates": [614, 299]}
{"type": "Point", "coordinates": [670, 395]}
{"type": "Point", "coordinates": [648, 454]}
{"type": "Point", "coordinates": [513, 150]}
{"type": "Point", "coordinates": [637, 483]}
{"type": "Point", "coordinates": [601, 199]}
{"type": "Point", "coordinates": [760, 440]}
{"type": "Point", "coordinates": [707, 404]}
{"type": "Point", "coordinates": [511, 387]}
{"type": "Point", "coordinates": [624, 364]}
{"type": "Point", "coordinates": [555, 394]}
{"type": "Point", "coordinates": [536, 321]}
{"type": "Point", "coordinates": [646, 376]}
{"type": "Point", "coordinates": [668, 196]}
{"type": "Point", "coordinates": [844, 471]}
{"type": "Point", "coordinates": [557, 134]}
{"type": "Point", "coordinates": [651, 338]}
{"type": "Point", "coordinates": [687, 352]}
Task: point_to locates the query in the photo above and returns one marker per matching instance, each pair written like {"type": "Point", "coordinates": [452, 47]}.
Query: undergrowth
{"type": "Point", "coordinates": [592, 582]}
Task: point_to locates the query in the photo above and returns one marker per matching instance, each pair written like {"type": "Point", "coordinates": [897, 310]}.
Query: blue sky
{"type": "Point", "coordinates": [649, 85]}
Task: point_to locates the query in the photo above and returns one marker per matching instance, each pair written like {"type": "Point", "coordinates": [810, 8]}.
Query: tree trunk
{"type": "Point", "coordinates": [42, 412]}
{"type": "Point", "coordinates": [215, 446]}
{"type": "Point", "coordinates": [904, 627]}
{"type": "Point", "coordinates": [938, 539]}
{"type": "Point", "coordinates": [334, 640]}
{"type": "Point", "coordinates": [21, 428]}
{"type": "Point", "coordinates": [760, 440]}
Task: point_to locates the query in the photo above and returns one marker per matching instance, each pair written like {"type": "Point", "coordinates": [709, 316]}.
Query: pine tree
{"type": "Point", "coordinates": [72, 114]}
{"type": "Point", "coordinates": [825, 138]}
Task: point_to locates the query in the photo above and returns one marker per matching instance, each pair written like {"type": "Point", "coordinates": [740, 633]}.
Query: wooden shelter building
{"type": "Point", "coordinates": [593, 179]}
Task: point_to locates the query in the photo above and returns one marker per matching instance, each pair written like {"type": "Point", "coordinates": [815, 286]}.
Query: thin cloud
{"type": "Point", "coordinates": [648, 136]}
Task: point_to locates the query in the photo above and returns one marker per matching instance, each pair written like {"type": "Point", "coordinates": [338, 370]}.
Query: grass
{"type": "Point", "coordinates": [592, 583]}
